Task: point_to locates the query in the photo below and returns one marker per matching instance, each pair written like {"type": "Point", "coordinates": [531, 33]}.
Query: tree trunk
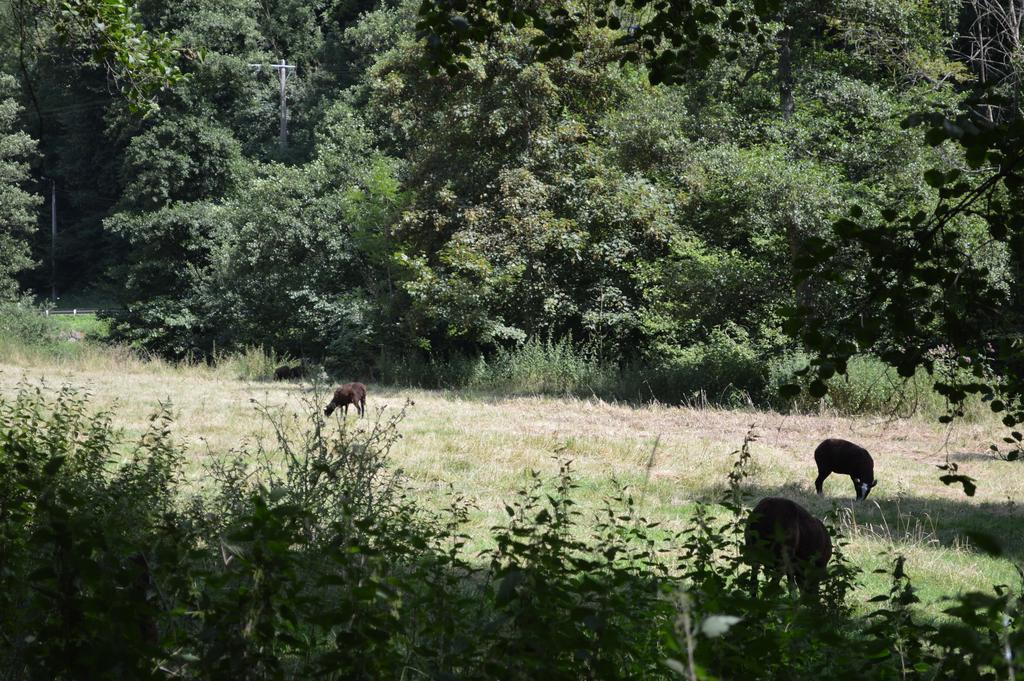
{"type": "Point", "coordinates": [786, 102]}
{"type": "Point", "coordinates": [786, 105]}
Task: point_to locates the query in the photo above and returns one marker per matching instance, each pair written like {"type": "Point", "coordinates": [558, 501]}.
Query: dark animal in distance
{"type": "Point", "coordinates": [350, 393]}
{"type": "Point", "coordinates": [840, 456]}
{"type": "Point", "coordinates": [285, 372]}
{"type": "Point", "coordinates": [785, 538]}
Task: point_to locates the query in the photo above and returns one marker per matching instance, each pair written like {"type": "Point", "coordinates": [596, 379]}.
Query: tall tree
{"type": "Point", "coordinates": [17, 206]}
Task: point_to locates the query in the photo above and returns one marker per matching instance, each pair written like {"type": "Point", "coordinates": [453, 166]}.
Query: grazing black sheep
{"type": "Point", "coordinates": [350, 393]}
{"type": "Point", "coordinates": [839, 456]}
{"type": "Point", "coordinates": [285, 372]}
{"type": "Point", "coordinates": [785, 538]}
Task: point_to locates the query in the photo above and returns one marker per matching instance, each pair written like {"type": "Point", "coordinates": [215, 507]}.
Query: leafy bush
{"type": "Point", "coordinates": [303, 557]}
{"type": "Point", "coordinates": [869, 387]}
{"type": "Point", "coordinates": [724, 369]}
{"type": "Point", "coordinates": [77, 538]}
{"type": "Point", "coordinates": [22, 322]}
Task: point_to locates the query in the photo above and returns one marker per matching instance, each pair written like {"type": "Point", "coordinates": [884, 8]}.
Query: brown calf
{"type": "Point", "coordinates": [350, 393]}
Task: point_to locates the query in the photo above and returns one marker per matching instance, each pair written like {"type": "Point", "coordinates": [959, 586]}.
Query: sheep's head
{"type": "Point", "coordinates": [864, 488]}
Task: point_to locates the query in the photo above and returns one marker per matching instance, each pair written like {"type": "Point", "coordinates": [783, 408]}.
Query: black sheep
{"type": "Point", "coordinates": [350, 393]}
{"type": "Point", "coordinates": [784, 537]}
{"type": "Point", "coordinates": [285, 372]}
{"type": "Point", "coordinates": [840, 456]}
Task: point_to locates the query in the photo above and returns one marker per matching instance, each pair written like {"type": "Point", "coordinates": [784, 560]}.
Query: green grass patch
{"type": "Point", "coordinates": [89, 325]}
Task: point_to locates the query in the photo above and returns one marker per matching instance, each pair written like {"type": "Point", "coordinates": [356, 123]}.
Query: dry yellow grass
{"type": "Point", "coordinates": [485, 447]}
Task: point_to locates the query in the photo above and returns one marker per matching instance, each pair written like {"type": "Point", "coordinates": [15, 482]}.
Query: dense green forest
{"type": "Point", "coordinates": [422, 215]}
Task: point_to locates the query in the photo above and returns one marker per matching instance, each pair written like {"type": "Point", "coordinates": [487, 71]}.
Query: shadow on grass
{"type": "Point", "coordinates": [915, 520]}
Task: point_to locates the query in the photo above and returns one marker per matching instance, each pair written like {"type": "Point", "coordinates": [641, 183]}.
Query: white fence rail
{"type": "Point", "coordinates": [80, 310]}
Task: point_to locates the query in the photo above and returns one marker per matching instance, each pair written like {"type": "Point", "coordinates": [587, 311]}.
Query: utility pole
{"type": "Point", "coordinates": [53, 239]}
{"type": "Point", "coordinates": [282, 76]}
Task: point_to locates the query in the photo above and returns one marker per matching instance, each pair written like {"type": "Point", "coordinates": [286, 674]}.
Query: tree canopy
{"type": "Point", "coordinates": [781, 187]}
{"type": "Point", "coordinates": [940, 287]}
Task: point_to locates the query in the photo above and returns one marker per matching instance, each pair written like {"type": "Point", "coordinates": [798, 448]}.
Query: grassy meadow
{"type": "Point", "coordinates": [671, 458]}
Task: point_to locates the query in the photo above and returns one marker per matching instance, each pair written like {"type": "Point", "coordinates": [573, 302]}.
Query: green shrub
{"type": "Point", "coordinates": [548, 367]}
{"type": "Point", "coordinates": [251, 363]}
{"type": "Point", "coordinates": [414, 370]}
{"type": "Point", "coordinates": [21, 322]}
{"type": "Point", "coordinates": [869, 387]}
{"type": "Point", "coordinates": [77, 534]}
{"type": "Point", "coordinates": [723, 370]}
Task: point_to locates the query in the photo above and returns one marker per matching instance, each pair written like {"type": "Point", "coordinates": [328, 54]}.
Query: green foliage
{"type": "Point", "coordinates": [22, 322]}
{"type": "Point", "coordinates": [141, 63]}
{"type": "Point", "coordinates": [548, 367]}
{"type": "Point", "coordinates": [724, 369]}
{"type": "Point", "coordinates": [869, 386]}
{"type": "Point", "coordinates": [728, 369]}
{"type": "Point", "coordinates": [535, 367]}
{"type": "Point", "coordinates": [306, 556]}
{"type": "Point", "coordinates": [594, 614]}
{"type": "Point", "coordinates": [74, 587]}
{"type": "Point", "coordinates": [86, 324]}
{"type": "Point", "coordinates": [160, 315]}
{"type": "Point", "coordinates": [179, 160]}
{"type": "Point", "coordinates": [27, 336]}
{"type": "Point", "coordinates": [544, 189]}
{"type": "Point", "coordinates": [672, 39]}
{"type": "Point", "coordinates": [252, 363]}
{"type": "Point", "coordinates": [16, 205]}
{"type": "Point", "coordinates": [517, 226]}
{"type": "Point", "coordinates": [939, 300]}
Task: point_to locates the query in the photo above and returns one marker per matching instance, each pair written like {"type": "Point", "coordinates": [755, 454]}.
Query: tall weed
{"type": "Point", "coordinates": [251, 363]}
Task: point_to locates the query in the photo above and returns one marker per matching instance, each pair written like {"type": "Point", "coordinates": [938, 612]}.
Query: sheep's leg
{"type": "Point", "coordinates": [344, 409]}
{"type": "Point", "coordinates": [822, 474]}
{"type": "Point", "coordinates": [754, 569]}
{"type": "Point", "coordinates": [813, 582]}
{"type": "Point", "coordinates": [791, 568]}
{"type": "Point", "coordinates": [362, 408]}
